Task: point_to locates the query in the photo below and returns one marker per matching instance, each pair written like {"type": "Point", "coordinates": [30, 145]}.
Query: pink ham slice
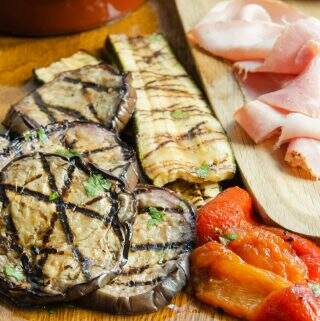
{"type": "Point", "coordinates": [305, 153]}
{"type": "Point", "coordinates": [301, 95]}
{"type": "Point", "coordinates": [297, 126]}
{"type": "Point", "coordinates": [237, 39]}
{"type": "Point", "coordinates": [292, 52]}
{"type": "Point", "coordinates": [259, 120]}
{"type": "Point", "coordinates": [243, 29]}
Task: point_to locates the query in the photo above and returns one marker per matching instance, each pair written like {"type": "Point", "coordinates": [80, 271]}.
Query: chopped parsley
{"type": "Point", "coordinates": [68, 153]}
{"type": "Point", "coordinates": [53, 196]}
{"type": "Point", "coordinates": [96, 184]}
{"type": "Point", "coordinates": [14, 272]}
{"type": "Point", "coordinates": [155, 37]}
{"type": "Point", "coordinates": [42, 134]}
{"type": "Point", "coordinates": [156, 216]}
{"type": "Point", "coordinates": [315, 287]}
{"type": "Point", "coordinates": [179, 114]}
{"type": "Point", "coordinates": [227, 238]}
{"type": "Point", "coordinates": [27, 135]}
{"type": "Point", "coordinates": [203, 171]}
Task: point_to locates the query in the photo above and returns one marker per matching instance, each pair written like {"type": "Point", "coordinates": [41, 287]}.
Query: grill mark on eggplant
{"type": "Point", "coordinates": [63, 218]}
{"type": "Point", "coordinates": [141, 283]}
{"type": "Point", "coordinates": [88, 84]}
{"type": "Point", "coordinates": [44, 198]}
{"type": "Point", "coordinates": [95, 113]}
{"type": "Point", "coordinates": [68, 180]}
{"type": "Point", "coordinates": [98, 150]}
{"type": "Point", "coordinates": [94, 200]}
{"type": "Point", "coordinates": [174, 210]}
{"type": "Point", "coordinates": [50, 229]}
{"type": "Point", "coordinates": [43, 106]}
{"type": "Point", "coordinates": [32, 179]}
{"type": "Point", "coordinates": [30, 123]}
{"type": "Point", "coordinates": [70, 112]}
{"type": "Point", "coordinates": [161, 246]}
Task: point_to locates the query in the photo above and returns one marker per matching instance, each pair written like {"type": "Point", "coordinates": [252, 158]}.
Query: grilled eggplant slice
{"type": "Point", "coordinates": [93, 93]}
{"type": "Point", "coordinates": [177, 136]}
{"type": "Point", "coordinates": [92, 142]}
{"type": "Point", "coordinates": [62, 232]}
{"type": "Point", "coordinates": [76, 61]}
{"type": "Point", "coordinates": [196, 194]}
{"type": "Point", "coordinates": [157, 267]}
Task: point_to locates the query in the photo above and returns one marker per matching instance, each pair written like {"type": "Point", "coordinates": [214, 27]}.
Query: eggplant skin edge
{"type": "Point", "coordinates": [147, 302]}
{"type": "Point", "coordinates": [26, 299]}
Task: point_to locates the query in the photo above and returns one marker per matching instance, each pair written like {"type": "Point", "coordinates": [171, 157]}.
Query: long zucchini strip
{"type": "Point", "coordinates": [177, 136]}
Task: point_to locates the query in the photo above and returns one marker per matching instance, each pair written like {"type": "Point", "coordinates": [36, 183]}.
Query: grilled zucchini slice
{"type": "Point", "coordinates": [196, 194]}
{"type": "Point", "coordinates": [76, 61]}
{"type": "Point", "coordinates": [177, 135]}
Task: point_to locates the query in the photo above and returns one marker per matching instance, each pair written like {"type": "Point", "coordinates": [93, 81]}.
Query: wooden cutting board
{"type": "Point", "coordinates": [283, 195]}
{"type": "Point", "coordinates": [18, 56]}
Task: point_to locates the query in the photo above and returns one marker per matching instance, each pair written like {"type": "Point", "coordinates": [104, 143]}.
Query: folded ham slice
{"type": "Point", "coordinates": [297, 126]}
{"type": "Point", "coordinates": [292, 52]}
{"type": "Point", "coordinates": [305, 153]}
{"type": "Point", "coordinates": [243, 29]}
{"type": "Point", "coordinates": [301, 95]}
{"type": "Point", "coordinates": [259, 120]}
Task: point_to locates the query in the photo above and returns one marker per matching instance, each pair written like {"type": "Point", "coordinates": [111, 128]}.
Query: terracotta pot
{"type": "Point", "coordinates": [48, 17]}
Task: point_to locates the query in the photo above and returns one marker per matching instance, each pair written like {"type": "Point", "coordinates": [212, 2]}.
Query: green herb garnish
{"type": "Point", "coordinates": [96, 184]}
{"type": "Point", "coordinates": [155, 37]}
{"type": "Point", "coordinates": [179, 114]}
{"type": "Point", "coordinates": [42, 134]}
{"type": "Point", "coordinates": [53, 196]}
{"type": "Point", "coordinates": [14, 272]}
{"type": "Point", "coordinates": [203, 171]}
{"type": "Point", "coordinates": [156, 216]}
{"type": "Point", "coordinates": [227, 238]}
{"type": "Point", "coordinates": [68, 153]}
{"type": "Point", "coordinates": [27, 135]}
{"type": "Point", "coordinates": [315, 287]}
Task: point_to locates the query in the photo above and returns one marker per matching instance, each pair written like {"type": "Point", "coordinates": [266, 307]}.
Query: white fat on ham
{"type": "Point", "coordinates": [243, 29]}
{"type": "Point", "coordinates": [300, 95]}
{"type": "Point", "coordinates": [305, 153]}
{"type": "Point", "coordinates": [259, 120]}
{"type": "Point", "coordinates": [292, 52]}
{"type": "Point", "coordinates": [298, 126]}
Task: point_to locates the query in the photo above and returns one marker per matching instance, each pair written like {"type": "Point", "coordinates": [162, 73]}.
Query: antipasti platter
{"type": "Point", "coordinates": [164, 169]}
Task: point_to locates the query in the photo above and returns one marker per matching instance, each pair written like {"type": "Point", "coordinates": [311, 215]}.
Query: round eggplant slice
{"type": "Point", "coordinates": [63, 234]}
{"type": "Point", "coordinates": [157, 266]}
{"type": "Point", "coordinates": [97, 93]}
{"type": "Point", "coordinates": [90, 141]}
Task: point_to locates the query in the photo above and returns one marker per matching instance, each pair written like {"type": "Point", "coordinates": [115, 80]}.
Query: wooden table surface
{"type": "Point", "coordinates": [18, 56]}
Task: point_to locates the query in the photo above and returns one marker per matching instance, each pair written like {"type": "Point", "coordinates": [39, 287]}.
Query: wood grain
{"type": "Point", "coordinates": [18, 56]}
{"type": "Point", "coordinates": [283, 195]}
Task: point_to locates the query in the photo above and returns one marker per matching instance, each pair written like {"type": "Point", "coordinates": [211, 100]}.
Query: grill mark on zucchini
{"type": "Point", "coordinates": [43, 106]}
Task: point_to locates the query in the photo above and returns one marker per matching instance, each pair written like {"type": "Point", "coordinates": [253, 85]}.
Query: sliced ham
{"type": "Point", "coordinates": [237, 39]}
{"type": "Point", "coordinates": [259, 120]}
{"type": "Point", "coordinates": [305, 153]}
{"type": "Point", "coordinates": [301, 95]}
{"type": "Point", "coordinates": [254, 85]}
{"type": "Point", "coordinates": [298, 126]}
{"type": "Point", "coordinates": [243, 29]}
{"type": "Point", "coordinates": [292, 52]}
